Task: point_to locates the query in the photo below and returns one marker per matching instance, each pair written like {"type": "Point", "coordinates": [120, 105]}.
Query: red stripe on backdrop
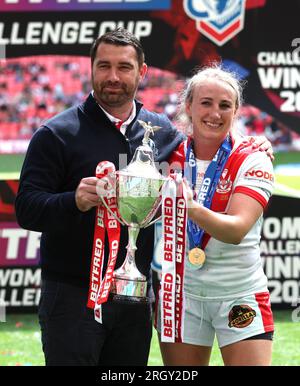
{"type": "Point", "coordinates": [255, 3]}
{"type": "Point", "coordinates": [222, 35]}
{"type": "Point", "coordinates": [263, 300]}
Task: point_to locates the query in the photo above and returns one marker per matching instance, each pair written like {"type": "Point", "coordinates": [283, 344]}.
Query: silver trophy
{"type": "Point", "coordinates": [138, 198]}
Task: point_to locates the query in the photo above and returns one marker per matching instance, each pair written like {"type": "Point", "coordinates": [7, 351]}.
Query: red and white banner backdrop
{"type": "Point", "coordinates": [280, 251]}
{"type": "Point", "coordinates": [20, 274]}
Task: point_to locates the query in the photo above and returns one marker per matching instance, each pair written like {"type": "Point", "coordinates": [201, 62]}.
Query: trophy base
{"type": "Point", "coordinates": [128, 299]}
{"type": "Point", "coordinates": [124, 290]}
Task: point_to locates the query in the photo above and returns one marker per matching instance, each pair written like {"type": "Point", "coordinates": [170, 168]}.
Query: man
{"type": "Point", "coordinates": [57, 196]}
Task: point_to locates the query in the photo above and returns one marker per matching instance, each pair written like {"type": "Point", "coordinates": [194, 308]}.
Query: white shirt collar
{"type": "Point", "coordinates": [114, 119]}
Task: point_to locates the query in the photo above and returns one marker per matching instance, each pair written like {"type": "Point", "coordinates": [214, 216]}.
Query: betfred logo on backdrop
{"type": "Point", "coordinates": [218, 20]}
{"type": "Point", "coordinates": [83, 5]}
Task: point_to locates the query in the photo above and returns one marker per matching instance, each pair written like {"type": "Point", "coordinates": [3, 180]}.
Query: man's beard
{"type": "Point", "coordinates": [121, 95]}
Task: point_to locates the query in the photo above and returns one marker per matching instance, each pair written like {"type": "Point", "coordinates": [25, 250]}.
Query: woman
{"type": "Point", "coordinates": [225, 288]}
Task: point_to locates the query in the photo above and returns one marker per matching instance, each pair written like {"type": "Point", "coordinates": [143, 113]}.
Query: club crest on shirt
{"type": "Point", "coordinates": [241, 316]}
{"type": "Point", "coordinates": [225, 184]}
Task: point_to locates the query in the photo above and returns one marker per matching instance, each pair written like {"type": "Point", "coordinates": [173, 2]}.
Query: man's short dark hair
{"type": "Point", "coordinates": [119, 37]}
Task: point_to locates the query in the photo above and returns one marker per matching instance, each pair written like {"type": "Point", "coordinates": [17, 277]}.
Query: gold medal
{"type": "Point", "coordinates": [196, 257]}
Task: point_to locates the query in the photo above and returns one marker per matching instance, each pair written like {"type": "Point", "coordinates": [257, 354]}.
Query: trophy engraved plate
{"type": "Point", "coordinates": [138, 198]}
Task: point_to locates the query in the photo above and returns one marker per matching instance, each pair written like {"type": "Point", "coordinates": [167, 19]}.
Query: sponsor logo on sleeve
{"type": "Point", "coordinates": [260, 175]}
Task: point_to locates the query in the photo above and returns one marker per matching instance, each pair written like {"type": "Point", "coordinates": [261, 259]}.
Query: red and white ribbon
{"type": "Point", "coordinates": [174, 217]}
{"type": "Point", "coordinates": [181, 224]}
{"type": "Point", "coordinates": [105, 221]}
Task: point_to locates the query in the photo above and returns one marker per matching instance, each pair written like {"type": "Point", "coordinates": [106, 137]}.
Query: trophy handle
{"type": "Point", "coordinates": [153, 221]}
{"type": "Point", "coordinates": [156, 219]}
{"type": "Point", "coordinates": [111, 212]}
{"type": "Point", "coordinates": [178, 179]}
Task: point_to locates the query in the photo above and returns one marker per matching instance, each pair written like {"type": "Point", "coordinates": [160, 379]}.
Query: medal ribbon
{"type": "Point", "coordinates": [208, 185]}
{"type": "Point", "coordinates": [174, 215]}
{"type": "Point", "coordinates": [99, 289]}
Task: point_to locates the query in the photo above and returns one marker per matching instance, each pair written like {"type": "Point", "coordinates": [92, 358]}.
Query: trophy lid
{"type": "Point", "coordinates": [142, 163]}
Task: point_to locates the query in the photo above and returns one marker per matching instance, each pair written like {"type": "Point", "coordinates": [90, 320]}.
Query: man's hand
{"type": "Point", "coordinates": [86, 196]}
{"type": "Point", "coordinates": [261, 143]}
